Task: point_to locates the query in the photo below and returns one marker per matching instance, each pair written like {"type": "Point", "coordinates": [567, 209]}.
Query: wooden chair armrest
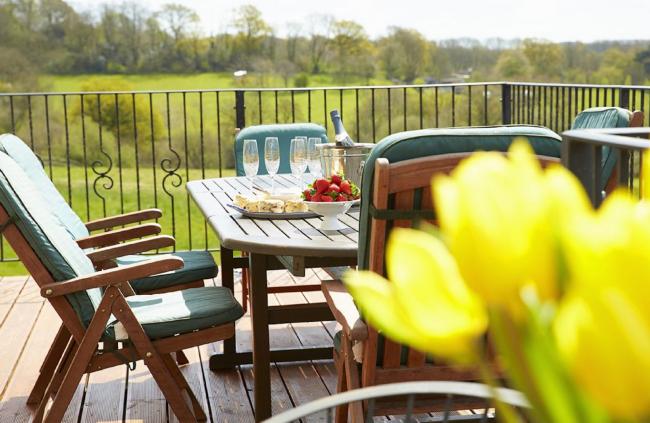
{"type": "Point", "coordinates": [101, 255]}
{"type": "Point", "coordinates": [344, 310]}
{"type": "Point", "coordinates": [114, 276]}
{"type": "Point", "coordinates": [104, 239]}
{"type": "Point", "coordinates": [123, 219]}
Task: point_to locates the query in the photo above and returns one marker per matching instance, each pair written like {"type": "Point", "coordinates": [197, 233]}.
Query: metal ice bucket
{"type": "Point", "coordinates": [347, 160]}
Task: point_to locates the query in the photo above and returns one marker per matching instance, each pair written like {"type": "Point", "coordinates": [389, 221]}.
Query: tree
{"type": "Point", "coordinates": [349, 43]}
{"type": "Point", "coordinates": [319, 29]}
{"type": "Point", "coordinates": [404, 54]}
{"type": "Point", "coordinates": [177, 19]}
{"type": "Point", "coordinates": [512, 65]}
{"type": "Point", "coordinates": [545, 58]}
{"type": "Point", "coordinates": [251, 29]}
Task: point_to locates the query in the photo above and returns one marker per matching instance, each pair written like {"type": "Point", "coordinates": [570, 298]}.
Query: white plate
{"type": "Point", "coordinates": [271, 215]}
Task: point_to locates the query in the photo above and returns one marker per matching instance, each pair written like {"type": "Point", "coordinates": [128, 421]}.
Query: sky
{"type": "Point", "coordinates": [555, 20]}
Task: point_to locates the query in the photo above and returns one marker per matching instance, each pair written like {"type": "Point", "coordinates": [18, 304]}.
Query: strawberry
{"type": "Point", "coordinates": [307, 195]}
{"type": "Point", "coordinates": [326, 198]}
{"type": "Point", "coordinates": [321, 185]}
{"type": "Point", "coordinates": [334, 188]}
{"type": "Point", "coordinates": [345, 187]}
{"type": "Point", "coordinates": [341, 197]}
{"type": "Point", "coordinates": [336, 179]}
{"type": "Point", "coordinates": [317, 198]}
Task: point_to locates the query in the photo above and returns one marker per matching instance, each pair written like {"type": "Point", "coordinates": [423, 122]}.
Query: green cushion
{"type": "Point", "coordinates": [427, 142]}
{"type": "Point", "coordinates": [46, 235]}
{"type": "Point", "coordinates": [27, 160]}
{"type": "Point", "coordinates": [173, 313]}
{"type": "Point", "coordinates": [284, 132]}
{"type": "Point", "coordinates": [604, 117]}
{"type": "Point", "coordinates": [197, 265]}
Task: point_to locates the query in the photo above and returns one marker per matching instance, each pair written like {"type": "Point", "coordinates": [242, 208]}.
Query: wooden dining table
{"type": "Point", "coordinates": [271, 244]}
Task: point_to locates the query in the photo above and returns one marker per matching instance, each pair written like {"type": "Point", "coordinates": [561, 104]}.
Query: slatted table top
{"type": "Point", "coordinates": [283, 237]}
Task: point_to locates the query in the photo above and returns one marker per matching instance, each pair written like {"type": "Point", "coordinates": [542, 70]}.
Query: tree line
{"type": "Point", "coordinates": [50, 36]}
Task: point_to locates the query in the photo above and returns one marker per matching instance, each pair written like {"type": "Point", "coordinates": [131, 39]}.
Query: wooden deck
{"type": "Point", "coordinates": [28, 325]}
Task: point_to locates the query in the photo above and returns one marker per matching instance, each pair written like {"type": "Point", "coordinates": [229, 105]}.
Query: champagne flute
{"type": "Point", "coordinates": [251, 160]}
{"type": "Point", "coordinates": [313, 156]}
{"type": "Point", "coordinates": [272, 158]}
{"type": "Point", "coordinates": [298, 158]}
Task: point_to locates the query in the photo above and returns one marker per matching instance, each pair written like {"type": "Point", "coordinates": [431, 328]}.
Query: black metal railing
{"type": "Point", "coordinates": [111, 152]}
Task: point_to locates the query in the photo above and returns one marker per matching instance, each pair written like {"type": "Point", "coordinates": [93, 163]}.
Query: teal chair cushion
{"type": "Point", "coordinates": [46, 235]}
{"type": "Point", "coordinates": [15, 148]}
{"type": "Point", "coordinates": [197, 265]}
{"type": "Point", "coordinates": [604, 117]}
{"type": "Point", "coordinates": [164, 315]}
{"type": "Point", "coordinates": [427, 142]}
{"type": "Point", "coordinates": [284, 132]}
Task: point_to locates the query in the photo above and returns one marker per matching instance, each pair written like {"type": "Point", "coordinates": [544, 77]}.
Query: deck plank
{"type": "Point", "coordinates": [13, 408]}
{"type": "Point", "coordinates": [229, 399]}
{"type": "Point", "coordinates": [16, 329]}
{"type": "Point", "coordinates": [193, 373]}
{"type": "Point", "coordinates": [303, 384]}
{"type": "Point", "coordinates": [145, 402]}
{"type": "Point", "coordinates": [105, 393]}
{"type": "Point", "coordinates": [10, 287]}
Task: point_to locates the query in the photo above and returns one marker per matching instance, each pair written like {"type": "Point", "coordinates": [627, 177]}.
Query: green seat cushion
{"type": "Point", "coordinates": [173, 313]}
{"type": "Point", "coordinates": [15, 148]}
{"type": "Point", "coordinates": [198, 265]}
{"type": "Point", "coordinates": [599, 118]}
{"type": "Point", "coordinates": [284, 133]}
{"type": "Point", "coordinates": [46, 235]}
{"type": "Point", "coordinates": [427, 142]}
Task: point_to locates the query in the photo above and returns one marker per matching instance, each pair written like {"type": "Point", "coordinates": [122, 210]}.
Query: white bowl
{"type": "Point", "coordinates": [331, 212]}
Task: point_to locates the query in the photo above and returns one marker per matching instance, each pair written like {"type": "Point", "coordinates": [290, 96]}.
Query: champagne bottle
{"type": "Point", "coordinates": [340, 134]}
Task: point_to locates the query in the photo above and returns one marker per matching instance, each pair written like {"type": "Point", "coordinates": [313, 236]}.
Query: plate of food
{"type": "Point", "coordinates": [330, 198]}
{"type": "Point", "coordinates": [262, 207]}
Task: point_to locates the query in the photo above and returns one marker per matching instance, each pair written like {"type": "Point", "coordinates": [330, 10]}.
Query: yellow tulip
{"type": "Point", "coordinates": [425, 304]}
{"type": "Point", "coordinates": [602, 328]}
{"type": "Point", "coordinates": [500, 218]}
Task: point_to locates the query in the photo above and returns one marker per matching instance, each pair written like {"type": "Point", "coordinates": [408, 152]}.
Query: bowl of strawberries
{"type": "Point", "coordinates": [330, 198]}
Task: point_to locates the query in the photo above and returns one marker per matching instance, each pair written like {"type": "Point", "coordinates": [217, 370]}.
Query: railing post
{"type": "Point", "coordinates": [506, 104]}
{"type": "Point", "coordinates": [584, 161]}
{"type": "Point", "coordinates": [240, 109]}
{"type": "Point", "coordinates": [624, 98]}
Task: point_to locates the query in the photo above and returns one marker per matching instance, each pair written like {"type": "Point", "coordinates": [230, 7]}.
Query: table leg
{"type": "Point", "coordinates": [227, 359]}
{"type": "Point", "coordinates": [261, 349]}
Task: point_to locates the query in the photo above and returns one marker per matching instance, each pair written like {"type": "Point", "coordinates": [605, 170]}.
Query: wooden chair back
{"type": "Point", "coordinates": [404, 187]}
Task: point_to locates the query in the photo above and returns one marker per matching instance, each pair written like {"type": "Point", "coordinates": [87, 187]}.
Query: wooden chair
{"type": "Point", "coordinates": [396, 190]}
{"type": "Point", "coordinates": [96, 310]}
{"type": "Point", "coordinates": [608, 117]}
{"type": "Point", "coordinates": [284, 133]}
{"type": "Point", "coordinates": [111, 247]}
